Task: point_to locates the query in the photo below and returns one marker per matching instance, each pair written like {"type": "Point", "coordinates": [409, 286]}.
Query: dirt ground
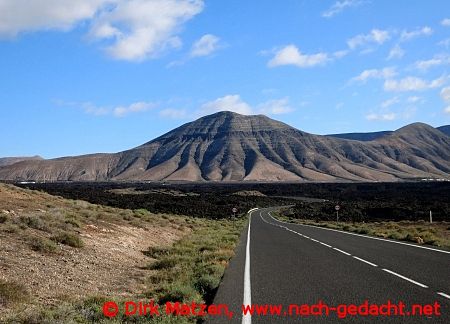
{"type": "Point", "coordinates": [111, 263]}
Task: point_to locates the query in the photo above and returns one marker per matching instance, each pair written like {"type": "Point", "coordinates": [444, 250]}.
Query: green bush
{"type": "Point", "coordinates": [41, 244]}
{"type": "Point", "coordinates": [69, 239]}
{"type": "Point", "coordinates": [12, 293]}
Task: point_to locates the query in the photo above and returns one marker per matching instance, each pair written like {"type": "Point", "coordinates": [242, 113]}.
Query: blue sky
{"type": "Point", "coordinates": [107, 75]}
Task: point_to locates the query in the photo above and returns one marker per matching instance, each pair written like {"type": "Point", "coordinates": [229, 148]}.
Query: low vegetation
{"type": "Point", "coordinates": [12, 293]}
{"type": "Point", "coordinates": [188, 270]}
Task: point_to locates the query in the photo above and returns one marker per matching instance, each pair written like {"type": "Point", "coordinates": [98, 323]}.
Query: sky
{"type": "Point", "coordinates": [89, 76]}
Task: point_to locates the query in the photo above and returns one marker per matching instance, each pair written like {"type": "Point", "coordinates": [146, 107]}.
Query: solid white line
{"type": "Point", "coordinates": [372, 264]}
{"type": "Point", "coordinates": [325, 244]}
{"type": "Point", "coordinates": [406, 278]}
{"type": "Point", "coordinates": [341, 251]}
{"type": "Point", "coordinates": [247, 319]}
{"type": "Point", "coordinates": [444, 295]}
{"type": "Point", "coordinates": [369, 237]}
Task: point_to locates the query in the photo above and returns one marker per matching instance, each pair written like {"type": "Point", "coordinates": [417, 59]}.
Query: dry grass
{"type": "Point", "coordinates": [100, 251]}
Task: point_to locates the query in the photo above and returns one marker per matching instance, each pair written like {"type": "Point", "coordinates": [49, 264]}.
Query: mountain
{"type": "Point", "coordinates": [375, 135]}
{"type": "Point", "coordinates": [11, 160]}
{"type": "Point", "coordinates": [361, 136]}
{"type": "Point", "coordinates": [445, 129]}
{"type": "Point", "coordinates": [230, 147]}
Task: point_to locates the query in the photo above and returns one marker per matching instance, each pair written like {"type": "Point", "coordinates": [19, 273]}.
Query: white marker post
{"type": "Point", "coordinates": [431, 217]}
{"type": "Point", "coordinates": [337, 207]}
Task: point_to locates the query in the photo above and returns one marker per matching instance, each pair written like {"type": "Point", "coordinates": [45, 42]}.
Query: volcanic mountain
{"type": "Point", "coordinates": [231, 147]}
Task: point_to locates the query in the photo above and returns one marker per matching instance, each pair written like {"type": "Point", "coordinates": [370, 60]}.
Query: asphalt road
{"type": "Point", "coordinates": [285, 264]}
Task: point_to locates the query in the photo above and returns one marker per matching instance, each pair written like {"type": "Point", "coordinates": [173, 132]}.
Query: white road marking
{"type": "Point", "coordinates": [372, 264]}
{"type": "Point", "coordinates": [247, 318]}
{"type": "Point", "coordinates": [405, 278]}
{"type": "Point", "coordinates": [357, 258]}
{"type": "Point", "coordinates": [444, 295]}
{"type": "Point", "coordinates": [369, 237]}
{"type": "Point", "coordinates": [341, 251]}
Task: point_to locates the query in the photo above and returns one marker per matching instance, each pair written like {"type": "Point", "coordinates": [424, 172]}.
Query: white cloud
{"type": "Point", "coordinates": [414, 99]}
{"type": "Point", "coordinates": [275, 107]}
{"type": "Point", "coordinates": [91, 109]}
{"type": "Point", "coordinates": [376, 36]}
{"type": "Point", "coordinates": [435, 61]}
{"type": "Point", "coordinates": [412, 84]}
{"type": "Point", "coordinates": [340, 54]}
{"type": "Point", "coordinates": [227, 103]}
{"type": "Point", "coordinates": [390, 102]}
{"type": "Point", "coordinates": [381, 117]}
{"type": "Point", "coordinates": [384, 73]}
{"type": "Point", "coordinates": [136, 107]}
{"type": "Point", "coordinates": [140, 29]}
{"type": "Point", "coordinates": [339, 6]}
{"type": "Point", "coordinates": [408, 35]}
{"type": "Point", "coordinates": [173, 113]}
{"type": "Point", "coordinates": [18, 16]}
{"type": "Point", "coordinates": [445, 42]}
{"type": "Point", "coordinates": [129, 29]}
{"type": "Point", "coordinates": [445, 22]}
{"type": "Point", "coordinates": [291, 55]}
{"type": "Point", "coordinates": [119, 111]}
{"type": "Point", "coordinates": [236, 104]}
{"type": "Point", "coordinates": [396, 52]}
{"type": "Point", "coordinates": [445, 95]}
{"type": "Point", "coordinates": [205, 46]}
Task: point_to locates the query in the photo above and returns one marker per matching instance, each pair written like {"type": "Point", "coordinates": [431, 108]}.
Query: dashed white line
{"type": "Point", "coordinates": [247, 318]}
{"type": "Point", "coordinates": [443, 295]}
{"type": "Point", "coordinates": [406, 278]}
{"type": "Point", "coordinates": [372, 264]}
{"type": "Point", "coordinates": [355, 257]}
{"type": "Point", "coordinates": [360, 235]}
{"type": "Point", "coordinates": [346, 253]}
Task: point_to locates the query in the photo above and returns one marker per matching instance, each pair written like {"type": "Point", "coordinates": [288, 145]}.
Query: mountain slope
{"type": "Point", "coordinates": [361, 136]}
{"type": "Point", "coordinates": [11, 160]}
{"type": "Point", "coordinates": [230, 147]}
{"type": "Point", "coordinates": [445, 129]}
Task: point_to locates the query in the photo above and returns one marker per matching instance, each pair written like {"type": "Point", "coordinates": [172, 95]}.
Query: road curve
{"type": "Point", "coordinates": [297, 264]}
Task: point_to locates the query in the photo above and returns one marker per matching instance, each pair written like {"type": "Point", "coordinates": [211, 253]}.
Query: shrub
{"type": "Point", "coordinates": [41, 244]}
{"type": "Point", "coordinates": [12, 293]}
{"type": "Point", "coordinates": [68, 239]}
{"type": "Point", "coordinates": [35, 222]}
{"type": "Point", "coordinates": [156, 252]}
{"type": "Point", "coordinates": [177, 293]}
{"type": "Point", "coordinates": [165, 263]}
{"type": "Point", "coordinates": [207, 284]}
{"type": "Point", "coordinates": [3, 218]}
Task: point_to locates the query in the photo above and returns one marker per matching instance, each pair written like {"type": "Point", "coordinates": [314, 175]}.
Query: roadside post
{"type": "Point", "coordinates": [431, 217]}
{"type": "Point", "coordinates": [337, 207]}
{"type": "Point", "coordinates": [234, 210]}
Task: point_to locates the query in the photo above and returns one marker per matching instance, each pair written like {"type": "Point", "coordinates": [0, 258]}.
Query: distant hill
{"type": "Point", "coordinates": [231, 147]}
{"type": "Point", "coordinates": [361, 136]}
{"type": "Point", "coordinates": [11, 160]}
{"type": "Point", "coordinates": [445, 129]}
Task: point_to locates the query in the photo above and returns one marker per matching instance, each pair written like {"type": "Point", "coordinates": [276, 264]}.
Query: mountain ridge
{"type": "Point", "coordinates": [227, 146]}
